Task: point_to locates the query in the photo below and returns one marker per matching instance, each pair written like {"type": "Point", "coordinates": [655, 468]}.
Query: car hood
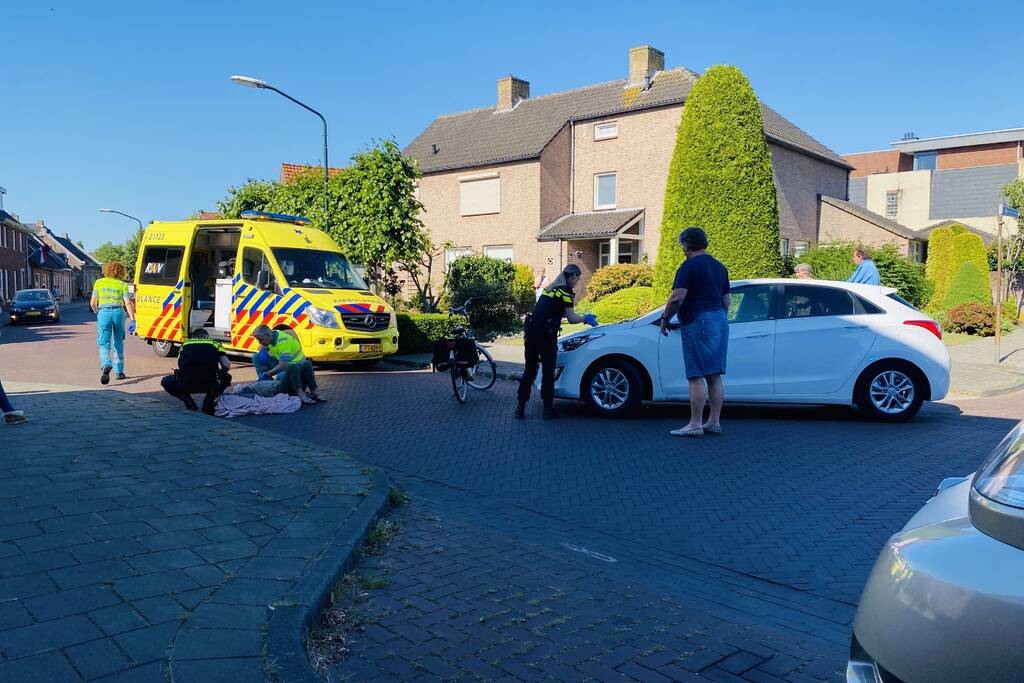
{"type": "Point", "coordinates": [948, 504]}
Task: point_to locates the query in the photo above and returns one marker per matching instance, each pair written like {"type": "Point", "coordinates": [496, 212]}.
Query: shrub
{"type": "Point", "coordinates": [721, 179]}
{"type": "Point", "coordinates": [619, 276]}
{"type": "Point", "coordinates": [490, 281]}
{"type": "Point", "coordinates": [417, 330]}
{"type": "Point", "coordinates": [971, 319]}
{"type": "Point", "coordinates": [969, 286]}
{"type": "Point", "coordinates": [941, 266]}
{"type": "Point", "coordinates": [624, 304]}
{"type": "Point", "coordinates": [835, 262]}
{"type": "Point", "coordinates": [522, 289]}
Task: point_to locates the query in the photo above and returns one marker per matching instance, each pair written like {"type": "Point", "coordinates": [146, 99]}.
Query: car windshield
{"type": "Point", "coordinates": [318, 269]}
{"type": "Point", "coordinates": [32, 296]}
{"type": "Point", "coordinates": [1001, 478]}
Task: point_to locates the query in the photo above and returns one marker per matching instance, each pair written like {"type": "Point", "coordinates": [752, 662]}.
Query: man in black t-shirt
{"type": "Point", "coordinates": [202, 369]}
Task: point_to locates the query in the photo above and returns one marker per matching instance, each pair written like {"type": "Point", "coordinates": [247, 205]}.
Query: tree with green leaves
{"type": "Point", "coordinates": [721, 179]}
{"type": "Point", "coordinates": [374, 214]}
{"type": "Point", "coordinates": [969, 286]}
{"type": "Point", "coordinates": [126, 252]}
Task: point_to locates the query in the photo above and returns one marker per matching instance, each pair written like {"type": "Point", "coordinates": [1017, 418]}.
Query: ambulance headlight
{"type": "Point", "coordinates": [393, 321]}
{"type": "Point", "coordinates": [322, 317]}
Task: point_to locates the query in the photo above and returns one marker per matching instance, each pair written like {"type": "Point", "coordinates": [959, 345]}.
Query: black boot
{"type": "Point", "coordinates": [190, 403]}
{"type": "Point", "coordinates": [520, 410]}
{"type": "Point", "coordinates": [549, 412]}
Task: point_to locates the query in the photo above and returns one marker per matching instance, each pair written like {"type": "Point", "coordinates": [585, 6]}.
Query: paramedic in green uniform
{"type": "Point", "coordinates": [112, 303]}
{"type": "Point", "coordinates": [299, 379]}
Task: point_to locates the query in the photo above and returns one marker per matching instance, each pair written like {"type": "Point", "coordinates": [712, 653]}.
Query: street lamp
{"type": "Point", "coordinates": [250, 82]}
{"type": "Point", "coordinates": [125, 215]}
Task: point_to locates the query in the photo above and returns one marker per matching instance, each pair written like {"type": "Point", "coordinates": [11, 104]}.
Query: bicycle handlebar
{"type": "Point", "coordinates": [464, 308]}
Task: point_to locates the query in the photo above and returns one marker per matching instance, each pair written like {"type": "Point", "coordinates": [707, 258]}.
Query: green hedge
{"type": "Point", "coordinates": [940, 267]}
{"type": "Point", "coordinates": [491, 282]}
{"type": "Point", "coordinates": [417, 330]}
{"type": "Point", "coordinates": [522, 289]}
{"type": "Point", "coordinates": [969, 286]}
{"type": "Point", "coordinates": [619, 276]}
{"type": "Point", "coordinates": [624, 304]}
{"type": "Point", "coordinates": [835, 262]}
{"type": "Point", "coordinates": [721, 179]}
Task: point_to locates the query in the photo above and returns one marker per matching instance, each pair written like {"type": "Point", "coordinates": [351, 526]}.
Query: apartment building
{"type": "Point", "coordinates": [15, 271]}
{"type": "Point", "coordinates": [579, 176]}
{"type": "Point", "coordinates": [923, 182]}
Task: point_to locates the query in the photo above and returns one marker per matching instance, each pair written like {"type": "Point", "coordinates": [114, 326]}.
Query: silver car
{"type": "Point", "coordinates": [945, 600]}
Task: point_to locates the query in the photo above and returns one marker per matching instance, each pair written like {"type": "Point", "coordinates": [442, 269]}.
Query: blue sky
{"type": "Point", "coordinates": [128, 105]}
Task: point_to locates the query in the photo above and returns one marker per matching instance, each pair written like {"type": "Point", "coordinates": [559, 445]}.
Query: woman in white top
{"type": "Point", "coordinates": [539, 283]}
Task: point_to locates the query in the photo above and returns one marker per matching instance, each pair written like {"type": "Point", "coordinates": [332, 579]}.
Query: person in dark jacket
{"type": "Point", "coordinates": [202, 369]}
{"type": "Point", "coordinates": [541, 338]}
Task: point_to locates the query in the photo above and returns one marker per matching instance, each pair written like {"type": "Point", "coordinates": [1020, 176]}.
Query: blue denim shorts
{"type": "Point", "coordinates": [706, 344]}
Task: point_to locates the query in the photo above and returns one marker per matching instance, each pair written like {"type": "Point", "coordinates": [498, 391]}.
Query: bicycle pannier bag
{"type": "Point", "coordinates": [442, 352]}
{"type": "Point", "coordinates": [465, 353]}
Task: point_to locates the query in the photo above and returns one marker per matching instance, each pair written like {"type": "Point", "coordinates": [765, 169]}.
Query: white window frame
{"type": "Point", "coordinates": [896, 204]}
{"type": "Point", "coordinates": [800, 247]}
{"type": "Point", "coordinates": [22, 277]}
{"type": "Point", "coordinates": [633, 258]}
{"type": "Point", "coordinates": [495, 247]}
{"type": "Point", "coordinates": [604, 253]}
{"type": "Point", "coordinates": [602, 207]}
{"type": "Point", "coordinates": [453, 254]}
{"type": "Point", "coordinates": [612, 126]}
{"type": "Point", "coordinates": [3, 235]}
{"type": "Point", "coordinates": [464, 183]}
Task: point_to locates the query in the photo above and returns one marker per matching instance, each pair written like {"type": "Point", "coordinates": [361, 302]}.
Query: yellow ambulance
{"type": "Point", "coordinates": [229, 276]}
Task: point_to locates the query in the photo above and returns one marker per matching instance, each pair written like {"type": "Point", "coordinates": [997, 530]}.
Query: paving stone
{"type": "Point", "coordinates": [25, 586]}
{"type": "Point", "coordinates": [148, 644]}
{"type": "Point", "coordinates": [117, 619]}
{"type": "Point", "coordinates": [221, 671]}
{"type": "Point", "coordinates": [97, 658]}
{"type": "Point", "coordinates": [178, 558]}
{"type": "Point", "coordinates": [64, 603]}
{"type": "Point", "coordinates": [48, 635]}
{"type": "Point", "coordinates": [35, 562]}
{"type": "Point", "coordinates": [159, 609]}
{"type": "Point", "coordinates": [51, 667]}
{"type": "Point", "coordinates": [155, 583]}
{"type": "Point", "coordinates": [146, 673]}
{"type": "Point", "coordinates": [206, 643]}
{"type": "Point", "coordinates": [12, 615]}
{"type": "Point", "coordinates": [251, 591]}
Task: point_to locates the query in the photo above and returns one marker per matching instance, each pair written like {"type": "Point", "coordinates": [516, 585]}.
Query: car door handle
{"type": "Point", "coordinates": [757, 335]}
{"type": "Point", "coordinates": [856, 327]}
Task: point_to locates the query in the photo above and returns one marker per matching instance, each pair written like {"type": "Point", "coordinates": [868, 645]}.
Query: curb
{"type": "Point", "coordinates": [288, 625]}
{"type": "Point", "coordinates": [501, 374]}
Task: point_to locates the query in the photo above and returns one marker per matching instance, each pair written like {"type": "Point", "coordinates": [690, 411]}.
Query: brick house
{"type": "Point", "coordinates": [49, 268]}
{"type": "Point", "coordinates": [924, 182]}
{"type": "Point", "coordinates": [85, 268]}
{"type": "Point", "coordinates": [579, 176]}
{"type": "Point", "coordinates": [15, 272]}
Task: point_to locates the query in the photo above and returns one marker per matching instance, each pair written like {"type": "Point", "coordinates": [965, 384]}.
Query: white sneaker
{"type": "Point", "coordinates": [697, 433]}
{"type": "Point", "coordinates": [304, 397]}
{"type": "Point", "coordinates": [15, 417]}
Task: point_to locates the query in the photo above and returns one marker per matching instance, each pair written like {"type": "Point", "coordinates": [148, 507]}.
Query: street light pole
{"type": "Point", "coordinates": [141, 227]}
{"type": "Point", "coordinates": [263, 85]}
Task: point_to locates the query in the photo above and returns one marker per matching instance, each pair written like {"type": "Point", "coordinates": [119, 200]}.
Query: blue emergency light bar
{"type": "Point", "coordinates": [281, 217]}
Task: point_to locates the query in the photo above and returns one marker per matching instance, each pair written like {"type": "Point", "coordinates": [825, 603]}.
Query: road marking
{"type": "Point", "coordinates": [589, 553]}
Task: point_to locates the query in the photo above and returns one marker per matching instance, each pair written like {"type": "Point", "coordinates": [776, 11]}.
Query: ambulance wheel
{"type": "Point", "coordinates": [164, 348]}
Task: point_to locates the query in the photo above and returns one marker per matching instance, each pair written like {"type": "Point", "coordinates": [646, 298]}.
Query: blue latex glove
{"type": "Point", "coordinates": [131, 327]}
{"type": "Point", "coordinates": [590, 319]}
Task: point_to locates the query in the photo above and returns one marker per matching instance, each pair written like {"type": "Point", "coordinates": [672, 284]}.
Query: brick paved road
{"type": "Point", "coordinates": [774, 526]}
{"type": "Point", "coordinates": [138, 543]}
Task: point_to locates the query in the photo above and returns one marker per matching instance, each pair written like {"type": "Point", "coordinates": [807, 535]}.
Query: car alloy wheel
{"type": "Point", "coordinates": [891, 392]}
{"type": "Point", "coordinates": [609, 388]}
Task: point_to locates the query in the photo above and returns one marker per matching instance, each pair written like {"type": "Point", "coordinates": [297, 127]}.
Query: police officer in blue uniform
{"type": "Point", "coordinates": [541, 338]}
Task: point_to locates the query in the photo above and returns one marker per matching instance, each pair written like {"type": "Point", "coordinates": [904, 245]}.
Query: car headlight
{"type": "Point", "coordinates": [322, 317]}
{"type": "Point", "coordinates": [575, 342]}
{"type": "Point", "coordinates": [393, 321]}
{"type": "Point", "coordinates": [996, 505]}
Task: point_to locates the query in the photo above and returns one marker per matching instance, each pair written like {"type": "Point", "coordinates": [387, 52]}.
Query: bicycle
{"type": "Point", "coordinates": [467, 370]}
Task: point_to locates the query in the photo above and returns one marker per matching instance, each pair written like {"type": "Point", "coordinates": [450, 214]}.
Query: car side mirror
{"type": "Point", "coordinates": [265, 279]}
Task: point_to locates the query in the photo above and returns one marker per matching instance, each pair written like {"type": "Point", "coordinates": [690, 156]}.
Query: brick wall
{"type": "Point", "coordinates": [554, 177]}
{"type": "Point", "coordinates": [838, 225]}
{"type": "Point", "coordinates": [883, 161]}
{"type": "Point", "coordinates": [977, 155]}
{"type": "Point", "coordinates": [12, 260]}
{"type": "Point", "coordinates": [640, 157]}
{"type": "Point", "coordinates": [799, 180]}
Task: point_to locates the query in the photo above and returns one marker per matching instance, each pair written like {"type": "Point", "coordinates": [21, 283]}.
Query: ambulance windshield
{"type": "Point", "coordinates": [312, 268]}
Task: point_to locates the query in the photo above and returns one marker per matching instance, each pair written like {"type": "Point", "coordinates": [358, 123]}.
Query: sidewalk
{"type": "Point", "coordinates": [508, 358]}
{"type": "Point", "coordinates": [144, 543]}
{"type": "Point", "coordinates": [975, 373]}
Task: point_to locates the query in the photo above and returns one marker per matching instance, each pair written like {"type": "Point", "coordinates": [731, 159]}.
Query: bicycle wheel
{"type": "Point", "coordinates": [483, 376]}
{"type": "Point", "coordinates": [459, 384]}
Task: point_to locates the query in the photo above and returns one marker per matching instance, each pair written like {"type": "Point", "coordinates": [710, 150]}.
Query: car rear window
{"type": "Point", "coordinates": [896, 297]}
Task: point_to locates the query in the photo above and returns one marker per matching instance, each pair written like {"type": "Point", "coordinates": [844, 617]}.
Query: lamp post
{"type": "Point", "coordinates": [119, 213]}
{"type": "Point", "coordinates": [263, 85]}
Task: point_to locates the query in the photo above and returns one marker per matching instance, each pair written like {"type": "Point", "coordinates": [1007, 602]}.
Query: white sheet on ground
{"type": "Point", "coordinates": [232, 405]}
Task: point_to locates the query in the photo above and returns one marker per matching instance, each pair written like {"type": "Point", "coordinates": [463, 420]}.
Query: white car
{"type": "Point", "coordinates": [790, 341]}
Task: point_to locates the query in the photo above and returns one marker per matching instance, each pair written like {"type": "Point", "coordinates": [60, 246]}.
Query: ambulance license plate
{"type": "Point", "coordinates": [371, 348]}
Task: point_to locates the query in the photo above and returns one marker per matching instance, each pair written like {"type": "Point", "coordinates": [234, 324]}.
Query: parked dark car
{"type": "Point", "coordinates": [34, 305]}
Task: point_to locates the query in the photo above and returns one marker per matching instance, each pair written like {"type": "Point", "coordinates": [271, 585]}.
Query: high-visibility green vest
{"type": "Point", "coordinates": [110, 291]}
{"type": "Point", "coordinates": [286, 349]}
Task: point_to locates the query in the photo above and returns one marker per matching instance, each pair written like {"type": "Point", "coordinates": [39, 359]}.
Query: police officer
{"type": "Point", "coordinates": [111, 302]}
{"type": "Point", "coordinates": [541, 338]}
{"type": "Point", "coordinates": [202, 369]}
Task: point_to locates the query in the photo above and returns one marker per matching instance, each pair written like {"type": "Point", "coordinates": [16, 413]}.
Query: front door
{"type": "Point", "coordinates": [256, 292]}
{"type": "Point", "coordinates": [820, 340]}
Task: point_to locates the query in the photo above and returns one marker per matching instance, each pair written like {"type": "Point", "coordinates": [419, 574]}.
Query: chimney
{"type": "Point", "coordinates": [67, 236]}
{"type": "Point", "coordinates": [644, 62]}
{"type": "Point", "coordinates": [510, 91]}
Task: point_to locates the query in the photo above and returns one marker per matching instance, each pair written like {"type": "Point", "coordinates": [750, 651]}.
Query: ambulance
{"type": "Point", "coordinates": [229, 276]}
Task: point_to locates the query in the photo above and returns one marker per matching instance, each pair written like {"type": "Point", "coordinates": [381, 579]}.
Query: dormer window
{"type": "Point", "coordinates": [606, 131]}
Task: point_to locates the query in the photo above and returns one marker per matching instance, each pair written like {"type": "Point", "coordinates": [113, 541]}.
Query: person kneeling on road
{"type": "Point", "coordinates": [541, 338]}
{"type": "Point", "coordinates": [298, 378]}
{"type": "Point", "coordinates": [202, 369]}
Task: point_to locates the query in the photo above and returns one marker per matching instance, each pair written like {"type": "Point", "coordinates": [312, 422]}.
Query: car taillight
{"type": "Point", "coordinates": [929, 325]}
